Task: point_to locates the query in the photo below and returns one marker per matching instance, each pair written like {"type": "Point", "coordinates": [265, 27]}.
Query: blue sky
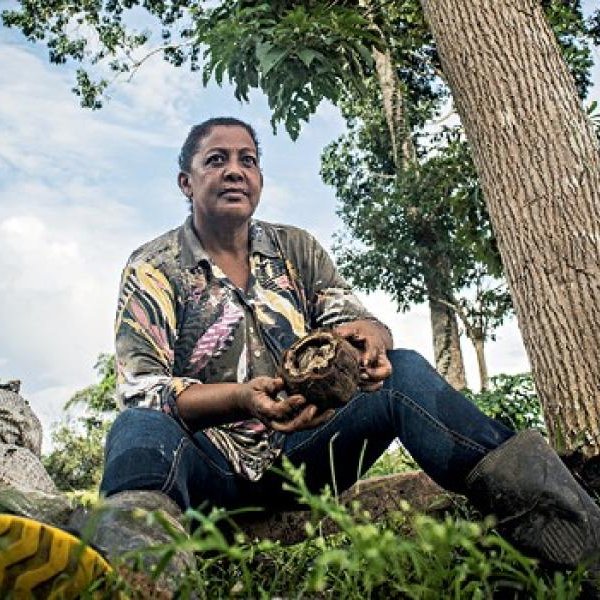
{"type": "Point", "coordinates": [79, 190]}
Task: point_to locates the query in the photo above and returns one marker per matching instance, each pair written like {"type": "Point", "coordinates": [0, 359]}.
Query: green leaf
{"type": "Point", "coordinates": [306, 55]}
{"type": "Point", "coordinates": [269, 57]}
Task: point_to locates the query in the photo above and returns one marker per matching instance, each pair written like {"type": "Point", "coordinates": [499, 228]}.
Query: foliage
{"type": "Point", "coordinates": [412, 556]}
{"type": "Point", "coordinates": [396, 460]}
{"type": "Point", "coordinates": [574, 35]}
{"type": "Point", "coordinates": [593, 27]}
{"type": "Point", "coordinates": [99, 397]}
{"type": "Point", "coordinates": [512, 399]}
{"type": "Point", "coordinates": [75, 463]}
{"type": "Point", "coordinates": [593, 113]}
{"type": "Point", "coordinates": [421, 230]}
{"type": "Point", "coordinates": [491, 303]}
{"type": "Point", "coordinates": [298, 53]}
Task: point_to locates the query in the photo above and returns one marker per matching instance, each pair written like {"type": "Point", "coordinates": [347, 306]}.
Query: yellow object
{"type": "Point", "coordinates": [44, 562]}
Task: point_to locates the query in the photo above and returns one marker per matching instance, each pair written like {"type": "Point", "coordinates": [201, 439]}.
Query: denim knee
{"type": "Point", "coordinates": [411, 369]}
{"type": "Point", "coordinates": [141, 448]}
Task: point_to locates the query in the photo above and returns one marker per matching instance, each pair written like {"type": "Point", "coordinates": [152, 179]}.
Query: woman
{"type": "Point", "coordinates": [205, 312]}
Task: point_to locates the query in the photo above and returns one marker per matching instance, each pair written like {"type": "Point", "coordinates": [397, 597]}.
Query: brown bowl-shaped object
{"type": "Point", "coordinates": [323, 367]}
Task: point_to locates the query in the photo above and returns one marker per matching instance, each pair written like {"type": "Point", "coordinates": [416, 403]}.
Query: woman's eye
{"type": "Point", "coordinates": [249, 160]}
{"type": "Point", "coordinates": [215, 159]}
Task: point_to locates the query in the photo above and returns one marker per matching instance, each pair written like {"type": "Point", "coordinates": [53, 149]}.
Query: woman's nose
{"type": "Point", "coordinates": [234, 171]}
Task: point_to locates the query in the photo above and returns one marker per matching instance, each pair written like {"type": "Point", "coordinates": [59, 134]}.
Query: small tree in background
{"type": "Point", "coordinates": [76, 461]}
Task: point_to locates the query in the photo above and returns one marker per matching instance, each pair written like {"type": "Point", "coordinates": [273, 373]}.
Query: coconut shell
{"type": "Point", "coordinates": [323, 367]}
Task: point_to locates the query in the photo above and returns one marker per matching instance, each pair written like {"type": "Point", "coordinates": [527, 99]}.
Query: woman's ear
{"type": "Point", "coordinates": [183, 181]}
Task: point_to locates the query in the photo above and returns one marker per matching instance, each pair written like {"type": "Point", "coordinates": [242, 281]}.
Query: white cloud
{"type": "Point", "coordinates": [57, 296]}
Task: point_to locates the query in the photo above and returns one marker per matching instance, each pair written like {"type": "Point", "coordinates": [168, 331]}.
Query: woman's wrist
{"type": "Point", "coordinates": [242, 398]}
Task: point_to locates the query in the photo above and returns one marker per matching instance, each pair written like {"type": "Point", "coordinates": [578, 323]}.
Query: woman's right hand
{"type": "Point", "coordinates": [263, 399]}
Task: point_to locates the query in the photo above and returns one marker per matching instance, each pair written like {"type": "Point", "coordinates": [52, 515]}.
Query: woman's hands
{"type": "Point", "coordinates": [372, 340]}
{"type": "Point", "coordinates": [206, 405]}
{"type": "Point", "coordinates": [264, 398]}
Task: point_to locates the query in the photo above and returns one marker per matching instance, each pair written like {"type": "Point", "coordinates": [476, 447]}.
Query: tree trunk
{"type": "Point", "coordinates": [446, 344]}
{"type": "Point", "coordinates": [393, 108]}
{"type": "Point", "coordinates": [392, 95]}
{"type": "Point", "coordinates": [479, 345]}
{"type": "Point", "coordinates": [539, 165]}
{"type": "Point", "coordinates": [444, 322]}
{"type": "Point", "coordinates": [444, 325]}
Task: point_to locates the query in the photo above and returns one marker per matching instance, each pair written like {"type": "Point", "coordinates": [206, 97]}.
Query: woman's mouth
{"type": "Point", "coordinates": [234, 193]}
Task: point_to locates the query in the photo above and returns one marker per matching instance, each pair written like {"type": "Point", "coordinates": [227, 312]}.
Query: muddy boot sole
{"type": "Point", "coordinates": [41, 561]}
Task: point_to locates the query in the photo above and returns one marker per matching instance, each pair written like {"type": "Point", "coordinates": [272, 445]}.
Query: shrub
{"type": "Point", "coordinates": [512, 400]}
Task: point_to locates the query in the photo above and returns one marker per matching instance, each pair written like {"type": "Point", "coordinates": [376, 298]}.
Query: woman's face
{"type": "Point", "coordinates": [224, 182]}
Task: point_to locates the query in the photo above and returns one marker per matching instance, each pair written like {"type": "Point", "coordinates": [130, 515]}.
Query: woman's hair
{"type": "Point", "coordinates": [200, 131]}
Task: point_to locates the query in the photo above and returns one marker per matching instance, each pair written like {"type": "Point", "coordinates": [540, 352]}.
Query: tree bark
{"type": "Point", "coordinates": [444, 322]}
{"type": "Point", "coordinates": [479, 345]}
{"type": "Point", "coordinates": [393, 108]}
{"type": "Point", "coordinates": [539, 164]}
{"type": "Point", "coordinates": [446, 344]}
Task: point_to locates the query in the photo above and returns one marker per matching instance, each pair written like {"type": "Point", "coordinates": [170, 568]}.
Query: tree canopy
{"type": "Point", "coordinates": [297, 52]}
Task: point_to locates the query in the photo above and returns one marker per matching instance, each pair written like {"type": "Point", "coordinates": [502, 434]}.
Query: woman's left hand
{"type": "Point", "coordinates": [371, 340]}
{"type": "Point", "coordinates": [308, 417]}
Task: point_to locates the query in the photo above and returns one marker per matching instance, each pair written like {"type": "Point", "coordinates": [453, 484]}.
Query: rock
{"type": "Point", "coordinates": [18, 423]}
{"type": "Point", "coordinates": [121, 527]}
{"type": "Point", "coordinates": [378, 495]}
{"type": "Point", "coordinates": [26, 489]}
{"type": "Point", "coordinates": [53, 509]}
{"type": "Point", "coordinates": [14, 385]}
{"type": "Point", "coordinates": [22, 469]}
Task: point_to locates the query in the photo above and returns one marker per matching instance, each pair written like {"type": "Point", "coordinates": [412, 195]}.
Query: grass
{"type": "Point", "coordinates": [409, 555]}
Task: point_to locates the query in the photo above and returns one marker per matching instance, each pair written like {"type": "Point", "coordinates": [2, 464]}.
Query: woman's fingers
{"type": "Point", "coordinates": [372, 377]}
{"type": "Point", "coordinates": [281, 408]}
{"type": "Point", "coordinates": [307, 418]}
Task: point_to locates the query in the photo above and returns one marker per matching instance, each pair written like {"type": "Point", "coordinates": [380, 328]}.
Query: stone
{"type": "Point", "coordinates": [22, 469]}
{"type": "Point", "coordinates": [18, 423]}
{"type": "Point", "coordinates": [124, 525]}
{"type": "Point", "coordinates": [378, 495]}
{"type": "Point", "coordinates": [53, 509]}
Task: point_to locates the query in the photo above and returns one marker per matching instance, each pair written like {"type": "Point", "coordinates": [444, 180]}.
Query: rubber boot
{"type": "Point", "coordinates": [130, 522]}
{"type": "Point", "coordinates": [540, 507]}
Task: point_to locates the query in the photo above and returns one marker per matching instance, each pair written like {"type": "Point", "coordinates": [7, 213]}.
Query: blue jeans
{"type": "Point", "coordinates": [443, 431]}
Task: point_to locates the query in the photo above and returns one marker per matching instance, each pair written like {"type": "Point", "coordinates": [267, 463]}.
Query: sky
{"type": "Point", "coordinates": [80, 190]}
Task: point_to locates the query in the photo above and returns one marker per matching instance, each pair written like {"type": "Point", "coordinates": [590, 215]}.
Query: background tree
{"type": "Point", "coordinates": [76, 460]}
{"type": "Point", "coordinates": [481, 309]}
{"type": "Point", "coordinates": [420, 233]}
